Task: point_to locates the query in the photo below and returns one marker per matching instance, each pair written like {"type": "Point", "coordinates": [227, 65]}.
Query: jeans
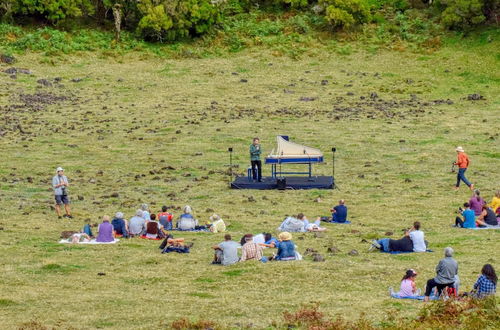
{"type": "Point", "coordinates": [461, 176]}
{"type": "Point", "coordinates": [257, 170]}
{"type": "Point", "coordinates": [432, 283]}
{"type": "Point", "coordinates": [384, 242]}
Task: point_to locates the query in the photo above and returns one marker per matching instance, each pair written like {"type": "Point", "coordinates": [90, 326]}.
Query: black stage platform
{"type": "Point", "coordinates": [292, 182]}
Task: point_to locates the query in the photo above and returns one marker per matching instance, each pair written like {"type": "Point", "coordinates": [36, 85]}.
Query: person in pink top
{"type": "Point", "coordinates": [408, 288]}
{"type": "Point", "coordinates": [476, 203]}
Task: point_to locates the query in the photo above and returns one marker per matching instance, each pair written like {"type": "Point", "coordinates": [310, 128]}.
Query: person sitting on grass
{"type": "Point", "coordinates": [153, 228]}
{"type": "Point", "coordinates": [486, 284]}
{"type": "Point", "coordinates": [404, 244]}
{"type": "Point", "coordinates": [417, 237]}
{"type": "Point", "coordinates": [105, 231]}
{"type": "Point", "coordinates": [487, 217]}
{"type": "Point", "coordinates": [186, 220]}
{"type": "Point", "coordinates": [216, 224]}
{"type": "Point", "coordinates": [308, 226]}
{"type": "Point", "coordinates": [339, 212]}
{"type": "Point", "coordinates": [87, 228]}
{"type": "Point", "coordinates": [269, 241]}
{"type": "Point", "coordinates": [446, 270]}
{"type": "Point", "coordinates": [469, 219]}
{"type": "Point", "coordinates": [137, 224]}
{"type": "Point", "coordinates": [495, 202]}
{"type": "Point", "coordinates": [251, 250]}
{"type": "Point", "coordinates": [165, 218]}
{"type": "Point", "coordinates": [476, 203]}
{"type": "Point", "coordinates": [120, 225]}
{"type": "Point", "coordinates": [145, 211]}
{"type": "Point", "coordinates": [286, 247]}
{"type": "Point", "coordinates": [226, 253]}
{"type": "Point", "coordinates": [408, 287]}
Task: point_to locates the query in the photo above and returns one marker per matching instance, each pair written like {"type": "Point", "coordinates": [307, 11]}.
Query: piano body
{"type": "Point", "coordinates": [292, 153]}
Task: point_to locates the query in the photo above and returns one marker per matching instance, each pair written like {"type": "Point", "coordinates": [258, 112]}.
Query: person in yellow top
{"type": "Point", "coordinates": [495, 202]}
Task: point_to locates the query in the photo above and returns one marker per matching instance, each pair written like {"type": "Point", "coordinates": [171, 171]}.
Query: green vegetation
{"type": "Point", "coordinates": [152, 123]}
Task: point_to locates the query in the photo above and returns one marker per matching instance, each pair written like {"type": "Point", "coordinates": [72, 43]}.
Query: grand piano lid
{"type": "Point", "coordinates": [287, 149]}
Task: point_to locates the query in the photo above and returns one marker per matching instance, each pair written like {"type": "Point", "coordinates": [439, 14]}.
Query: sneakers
{"type": "Point", "coordinates": [69, 216]}
{"type": "Point", "coordinates": [376, 244]}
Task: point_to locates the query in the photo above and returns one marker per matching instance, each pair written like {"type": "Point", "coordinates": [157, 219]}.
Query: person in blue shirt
{"type": "Point", "coordinates": [469, 218]}
{"type": "Point", "coordinates": [269, 241]}
{"type": "Point", "coordinates": [339, 212]}
{"type": "Point", "coordinates": [286, 247]}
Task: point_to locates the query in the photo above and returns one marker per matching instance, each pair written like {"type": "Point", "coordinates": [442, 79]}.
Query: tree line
{"type": "Point", "coordinates": [166, 20]}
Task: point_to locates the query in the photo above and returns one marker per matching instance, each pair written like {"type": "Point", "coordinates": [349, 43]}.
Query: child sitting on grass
{"type": "Point", "coordinates": [408, 287]}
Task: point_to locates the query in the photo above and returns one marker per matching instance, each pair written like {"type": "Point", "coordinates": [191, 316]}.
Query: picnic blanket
{"type": "Point", "coordinates": [342, 223]}
{"type": "Point", "coordinates": [482, 228]}
{"type": "Point", "coordinates": [400, 252]}
{"type": "Point", "coordinates": [329, 220]}
{"type": "Point", "coordinates": [153, 239]}
{"type": "Point", "coordinates": [91, 242]}
{"type": "Point", "coordinates": [192, 230]}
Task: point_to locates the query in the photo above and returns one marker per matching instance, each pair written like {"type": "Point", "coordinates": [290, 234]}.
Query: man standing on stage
{"type": "Point", "coordinates": [463, 163]}
{"type": "Point", "coordinates": [60, 185]}
{"type": "Point", "coordinates": [255, 152]}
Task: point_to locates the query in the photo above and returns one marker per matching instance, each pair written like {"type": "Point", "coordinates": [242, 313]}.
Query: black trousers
{"type": "Point", "coordinates": [459, 222]}
{"type": "Point", "coordinates": [431, 284]}
{"type": "Point", "coordinates": [257, 170]}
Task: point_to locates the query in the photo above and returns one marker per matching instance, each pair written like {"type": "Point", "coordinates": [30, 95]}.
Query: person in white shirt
{"type": "Point", "coordinates": [417, 237]}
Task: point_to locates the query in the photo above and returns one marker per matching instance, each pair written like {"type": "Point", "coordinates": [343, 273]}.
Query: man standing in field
{"type": "Point", "coordinates": [60, 185]}
{"type": "Point", "coordinates": [463, 163]}
{"type": "Point", "coordinates": [255, 152]}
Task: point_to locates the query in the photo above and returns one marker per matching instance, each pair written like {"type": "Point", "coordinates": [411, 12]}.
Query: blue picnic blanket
{"type": "Point", "coordinates": [401, 252]}
{"type": "Point", "coordinates": [483, 228]}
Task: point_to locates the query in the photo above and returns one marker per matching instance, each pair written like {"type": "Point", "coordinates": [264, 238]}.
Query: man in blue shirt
{"type": "Point", "coordinates": [339, 212]}
{"type": "Point", "coordinates": [469, 220]}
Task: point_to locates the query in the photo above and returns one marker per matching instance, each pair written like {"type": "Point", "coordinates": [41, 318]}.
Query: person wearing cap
{"type": "Point", "coordinates": [462, 163]}
{"type": "Point", "coordinates": [286, 247]}
{"type": "Point", "coordinates": [446, 271]}
{"type": "Point", "coordinates": [408, 287]}
{"type": "Point", "coordinates": [216, 224]}
{"type": "Point", "coordinates": [120, 225]}
{"type": "Point", "coordinates": [60, 185]}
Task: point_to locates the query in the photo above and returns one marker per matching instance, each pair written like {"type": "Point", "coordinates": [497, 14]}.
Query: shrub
{"type": "Point", "coordinates": [462, 14]}
{"type": "Point", "coordinates": [170, 20]}
{"type": "Point", "coordinates": [344, 13]}
{"type": "Point", "coordinates": [53, 10]}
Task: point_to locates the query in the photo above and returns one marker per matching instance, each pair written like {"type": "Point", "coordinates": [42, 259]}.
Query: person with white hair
{"type": "Point", "coordinates": [60, 185]}
{"type": "Point", "coordinates": [462, 163]}
{"type": "Point", "coordinates": [120, 225]}
{"type": "Point", "coordinates": [186, 220]}
{"type": "Point", "coordinates": [137, 224]}
{"type": "Point", "coordinates": [145, 211]}
{"type": "Point", "coordinates": [446, 272]}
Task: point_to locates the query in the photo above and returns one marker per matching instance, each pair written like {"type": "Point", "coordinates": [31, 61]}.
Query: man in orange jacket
{"type": "Point", "coordinates": [462, 162]}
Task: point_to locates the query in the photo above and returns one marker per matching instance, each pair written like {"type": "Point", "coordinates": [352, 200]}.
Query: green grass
{"type": "Point", "coordinates": [149, 99]}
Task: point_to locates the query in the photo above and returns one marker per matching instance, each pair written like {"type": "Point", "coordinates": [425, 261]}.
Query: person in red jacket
{"type": "Point", "coordinates": [463, 163]}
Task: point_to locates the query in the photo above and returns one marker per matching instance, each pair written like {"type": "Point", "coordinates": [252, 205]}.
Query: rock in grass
{"type": "Point", "coordinates": [333, 250]}
{"type": "Point", "coordinates": [9, 59]}
{"type": "Point", "coordinates": [318, 257]}
{"type": "Point", "coordinates": [101, 274]}
{"type": "Point", "coordinates": [389, 233]}
{"type": "Point", "coordinates": [353, 253]}
{"type": "Point", "coordinates": [475, 97]}
{"type": "Point", "coordinates": [44, 82]}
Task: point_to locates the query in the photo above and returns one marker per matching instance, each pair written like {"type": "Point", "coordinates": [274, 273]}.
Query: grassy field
{"type": "Point", "coordinates": [156, 131]}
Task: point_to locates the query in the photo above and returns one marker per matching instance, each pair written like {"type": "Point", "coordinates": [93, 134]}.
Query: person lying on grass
{"type": "Point", "coordinates": [446, 270]}
{"type": "Point", "coordinates": [308, 226]}
{"type": "Point", "coordinates": [468, 220]}
{"type": "Point", "coordinates": [105, 231]}
{"type": "Point", "coordinates": [286, 247]}
{"type": "Point", "coordinates": [178, 245]}
{"type": "Point", "coordinates": [226, 253]}
{"type": "Point", "coordinates": [487, 217]}
{"type": "Point", "coordinates": [120, 225]}
{"type": "Point", "coordinates": [404, 244]}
